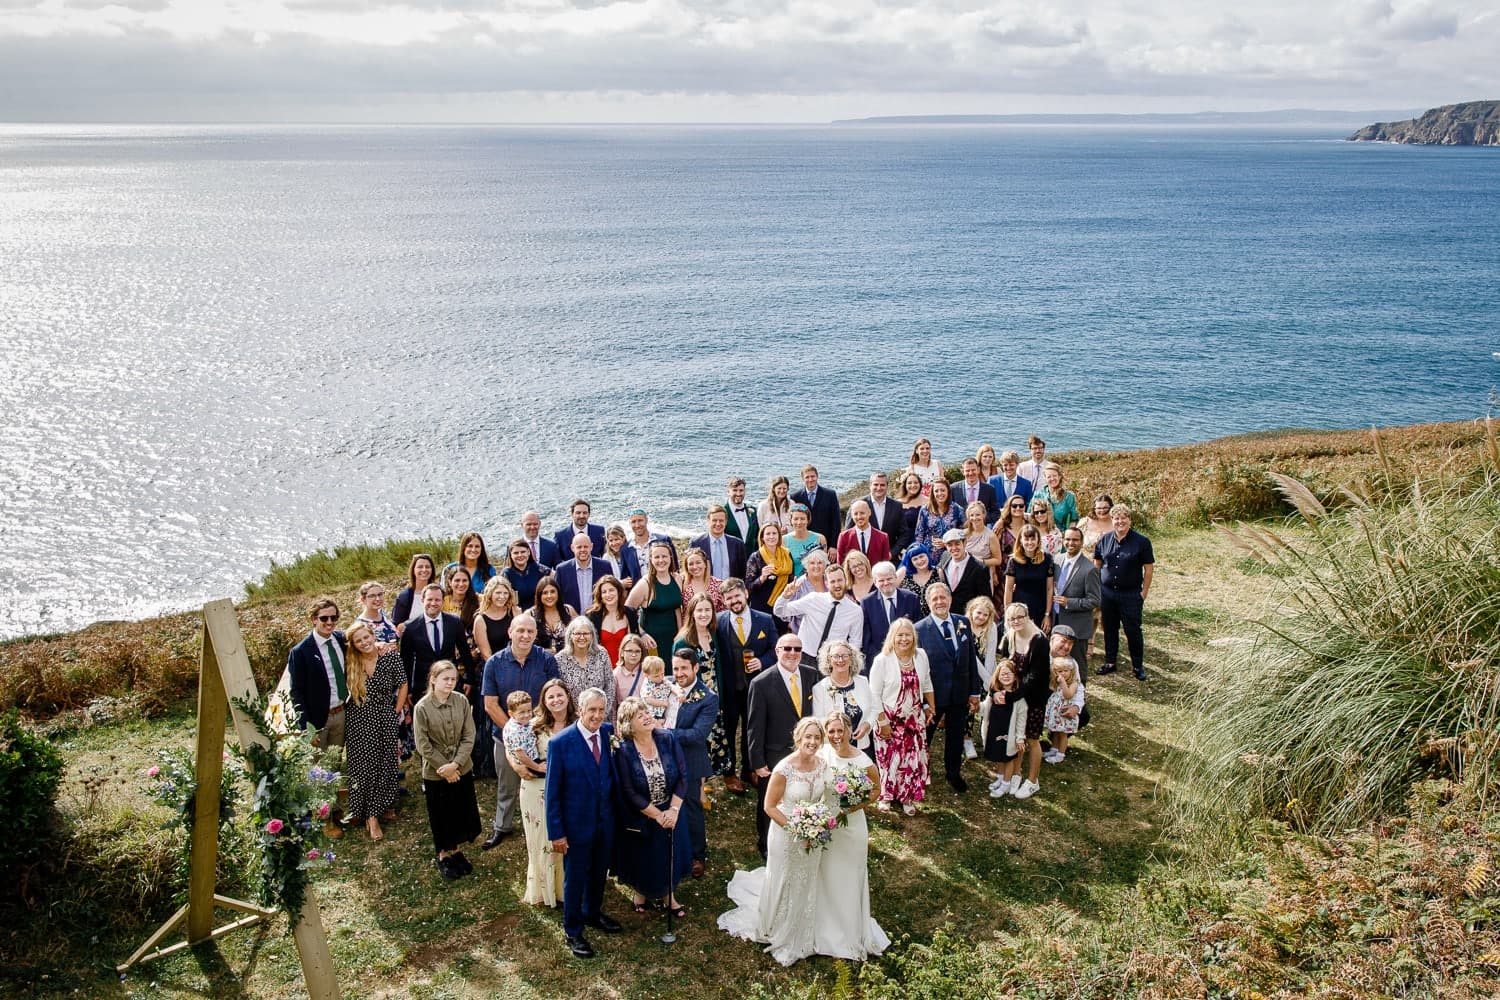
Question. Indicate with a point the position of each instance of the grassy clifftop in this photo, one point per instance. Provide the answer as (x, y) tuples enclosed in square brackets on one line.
[(153, 663)]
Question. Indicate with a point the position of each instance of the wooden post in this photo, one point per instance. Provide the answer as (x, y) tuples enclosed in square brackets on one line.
[(224, 674), (209, 771)]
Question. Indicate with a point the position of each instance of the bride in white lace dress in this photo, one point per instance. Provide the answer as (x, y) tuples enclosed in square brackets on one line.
[(845, 928), (778, 905)]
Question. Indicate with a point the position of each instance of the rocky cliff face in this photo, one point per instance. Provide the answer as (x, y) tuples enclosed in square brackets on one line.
[(1476, 123)]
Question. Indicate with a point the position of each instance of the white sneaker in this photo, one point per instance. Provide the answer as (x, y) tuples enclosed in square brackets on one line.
[(1015, 784), (1000, 791), (969, 752), (1053, 757), (1028, 789)]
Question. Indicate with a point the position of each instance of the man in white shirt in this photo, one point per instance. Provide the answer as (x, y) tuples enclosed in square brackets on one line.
[(825, 616), (882, 606), (1077, 592), (965, 576), (743, 523), (639, 537), (1032, 468), (543, 550)]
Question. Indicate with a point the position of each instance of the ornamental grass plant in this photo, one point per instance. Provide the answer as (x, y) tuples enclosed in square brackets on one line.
[(1375, 667)]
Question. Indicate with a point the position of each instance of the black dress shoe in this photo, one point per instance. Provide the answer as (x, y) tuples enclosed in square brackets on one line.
[(607, 924), (580, 947), (494, 839), (1107, 668), (449, 870), (462, 862), (1140, 673), (958, 783)]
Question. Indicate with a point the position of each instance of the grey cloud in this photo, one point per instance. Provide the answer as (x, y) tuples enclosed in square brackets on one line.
[(1036, 35), (143, 6)]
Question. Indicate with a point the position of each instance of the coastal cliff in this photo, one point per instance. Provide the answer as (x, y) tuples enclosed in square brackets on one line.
[(1474, 123)]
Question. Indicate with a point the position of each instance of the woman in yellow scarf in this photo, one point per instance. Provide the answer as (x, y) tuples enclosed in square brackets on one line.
[(769, 569)]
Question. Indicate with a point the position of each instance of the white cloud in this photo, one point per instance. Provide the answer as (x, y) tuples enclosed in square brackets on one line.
[(299, 54)]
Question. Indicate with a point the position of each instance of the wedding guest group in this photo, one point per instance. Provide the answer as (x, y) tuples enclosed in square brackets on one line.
[(605, 678)]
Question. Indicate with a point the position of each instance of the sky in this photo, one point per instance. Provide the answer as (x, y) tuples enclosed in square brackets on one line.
[(729, 60)]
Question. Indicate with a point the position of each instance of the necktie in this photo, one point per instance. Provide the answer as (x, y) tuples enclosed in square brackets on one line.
[(594, 746), (954, 573), (812, 497), (948, 634), (863, 545), (437, 635), (1010, 488), (890, 610), (739, 627), (721, 567), (972, 491), (797, 696), (536, 550), (1062, 581), (338, 670)]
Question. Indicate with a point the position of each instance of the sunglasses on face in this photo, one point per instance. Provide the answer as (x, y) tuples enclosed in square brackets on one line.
[(328, 618)]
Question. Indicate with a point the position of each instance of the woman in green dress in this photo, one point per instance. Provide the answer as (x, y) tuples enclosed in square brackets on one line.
[(659, 599)]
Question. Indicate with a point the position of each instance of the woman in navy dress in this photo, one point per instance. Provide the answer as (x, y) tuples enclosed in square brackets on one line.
[(652, 850)]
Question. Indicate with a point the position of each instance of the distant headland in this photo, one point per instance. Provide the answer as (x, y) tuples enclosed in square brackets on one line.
[(1474, 123)]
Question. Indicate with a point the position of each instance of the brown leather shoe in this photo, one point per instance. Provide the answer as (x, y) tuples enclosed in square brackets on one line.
[(733, 785), (699, 868), (333, 831)]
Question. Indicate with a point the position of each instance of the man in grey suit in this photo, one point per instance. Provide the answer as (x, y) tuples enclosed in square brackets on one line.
[(1077, 591)]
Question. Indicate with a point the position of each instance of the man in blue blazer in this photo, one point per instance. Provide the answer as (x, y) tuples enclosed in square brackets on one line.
[(580, 513), (696, 712), (1009, 482), (739, 660), (824, 515), (581, 817), (725, 554), (543, 550), (882, 606), (948, 641), (315, 668), (972, 489), (577, 576)]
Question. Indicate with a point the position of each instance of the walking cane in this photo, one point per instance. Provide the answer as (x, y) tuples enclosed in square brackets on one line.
[(669, 937)]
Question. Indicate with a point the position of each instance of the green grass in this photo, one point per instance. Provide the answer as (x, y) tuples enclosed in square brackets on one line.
[(345, 566)]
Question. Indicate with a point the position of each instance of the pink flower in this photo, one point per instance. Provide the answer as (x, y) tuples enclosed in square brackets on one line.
[(832, 822), (313, 854), (323, 810), (842, 786), (152, 772), (274, 827)]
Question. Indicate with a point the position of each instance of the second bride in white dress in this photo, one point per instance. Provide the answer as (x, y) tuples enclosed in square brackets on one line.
[(845, 928)]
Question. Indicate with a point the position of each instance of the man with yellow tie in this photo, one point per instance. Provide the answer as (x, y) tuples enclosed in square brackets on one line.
[(777, 700), (744, 642)]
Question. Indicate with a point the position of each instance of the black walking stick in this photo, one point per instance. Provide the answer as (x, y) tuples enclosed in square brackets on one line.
[(669, 937)]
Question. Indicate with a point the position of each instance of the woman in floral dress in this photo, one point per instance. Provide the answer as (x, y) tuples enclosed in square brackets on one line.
[(902, 688)]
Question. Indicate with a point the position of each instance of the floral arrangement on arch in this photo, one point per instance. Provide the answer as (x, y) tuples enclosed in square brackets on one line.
[(293, 799), (173, 782)]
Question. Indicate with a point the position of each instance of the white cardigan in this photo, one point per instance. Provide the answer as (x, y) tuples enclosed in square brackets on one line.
[(823, 703), (885, 679)]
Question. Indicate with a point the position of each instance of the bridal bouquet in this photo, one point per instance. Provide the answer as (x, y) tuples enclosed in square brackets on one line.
[(854, 789), (812, 823)]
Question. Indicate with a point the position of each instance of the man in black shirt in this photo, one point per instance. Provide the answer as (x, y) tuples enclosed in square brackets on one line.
[(1125, 564)]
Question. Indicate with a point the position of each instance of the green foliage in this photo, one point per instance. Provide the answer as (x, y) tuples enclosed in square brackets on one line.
[(173, 782), (30, 770), (345, 566), (1380, 665), (290, 807)]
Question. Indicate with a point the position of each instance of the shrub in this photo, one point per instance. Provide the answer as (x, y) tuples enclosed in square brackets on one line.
[(347, 566), (1380, 664), (30, 770)]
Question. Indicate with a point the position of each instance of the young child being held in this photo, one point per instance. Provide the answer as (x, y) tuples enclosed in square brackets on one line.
[(1005, 725), (1063, 707), (656, 690), (520, 738)]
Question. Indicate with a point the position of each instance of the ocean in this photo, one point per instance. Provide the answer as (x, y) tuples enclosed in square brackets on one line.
[(227, 345)]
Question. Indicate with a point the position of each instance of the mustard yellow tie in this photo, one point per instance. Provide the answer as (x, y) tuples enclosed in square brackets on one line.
[(739, 627), (797, 696)]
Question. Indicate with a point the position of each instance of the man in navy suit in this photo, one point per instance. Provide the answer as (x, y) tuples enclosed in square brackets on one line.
[(743, 522), (581, 817), (315, 667), (697, 709), (967, 576), (564, 539), (882, 606), (725, 553), (976, 490), (778, 699), (1009, 482), (824, 515), (543, 550), (577, 576), (948, 641), (435, 636), (744, 642)]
